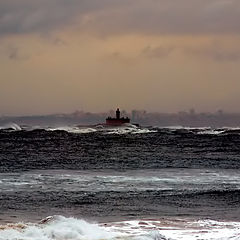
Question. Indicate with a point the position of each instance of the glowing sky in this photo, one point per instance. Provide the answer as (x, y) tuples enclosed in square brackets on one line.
[(94, 55)]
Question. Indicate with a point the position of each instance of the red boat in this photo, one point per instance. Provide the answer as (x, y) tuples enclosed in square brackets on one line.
[(118, 121)]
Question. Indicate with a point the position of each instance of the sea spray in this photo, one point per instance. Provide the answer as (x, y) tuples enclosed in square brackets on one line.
[(62, 228), (57, 228)]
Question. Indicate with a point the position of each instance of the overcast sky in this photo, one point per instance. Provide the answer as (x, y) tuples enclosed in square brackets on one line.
[(95, 55)]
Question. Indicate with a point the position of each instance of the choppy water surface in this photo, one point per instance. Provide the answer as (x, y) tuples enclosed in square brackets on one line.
[(153, 183)]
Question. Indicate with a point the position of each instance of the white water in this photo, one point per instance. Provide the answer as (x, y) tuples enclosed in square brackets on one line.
[(12, 126), (61, 228), (211, 132), (74, 129), (181, 229), (96, 181), (124, 129), (202, 130)]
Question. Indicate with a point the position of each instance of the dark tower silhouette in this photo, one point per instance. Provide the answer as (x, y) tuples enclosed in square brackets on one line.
[(118, 114), (118, 121)]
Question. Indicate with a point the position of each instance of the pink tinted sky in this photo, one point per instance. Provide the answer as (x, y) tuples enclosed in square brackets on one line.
[(93, 55)]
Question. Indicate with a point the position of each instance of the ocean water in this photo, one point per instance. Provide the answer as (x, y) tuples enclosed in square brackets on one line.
[(95, 183)]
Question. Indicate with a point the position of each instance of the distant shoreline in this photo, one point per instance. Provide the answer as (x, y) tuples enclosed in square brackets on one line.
[(185, 119)]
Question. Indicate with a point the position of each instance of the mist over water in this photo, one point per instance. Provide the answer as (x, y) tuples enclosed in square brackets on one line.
[(127, 182)]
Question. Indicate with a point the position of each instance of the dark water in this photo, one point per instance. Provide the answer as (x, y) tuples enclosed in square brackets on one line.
[(126, 173)]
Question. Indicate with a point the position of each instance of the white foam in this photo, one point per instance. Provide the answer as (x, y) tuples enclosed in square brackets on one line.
[(182, 127), (124, 129), (74, 129), (61, 228), (12, 126), (211, 132), (129, 130), (231, 128), (180, 229), (202, 130)]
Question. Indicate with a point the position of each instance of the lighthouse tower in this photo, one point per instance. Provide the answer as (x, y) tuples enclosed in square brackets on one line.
[(118, 114), (118, 121)]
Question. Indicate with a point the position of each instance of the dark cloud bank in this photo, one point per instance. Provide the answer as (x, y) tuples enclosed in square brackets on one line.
[(114, 16)]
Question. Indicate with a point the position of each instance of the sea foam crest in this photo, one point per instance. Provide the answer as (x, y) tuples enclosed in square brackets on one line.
[(11, 126), (211, 132), (124, 129), (73, 129), (56, 228), (61, 228)]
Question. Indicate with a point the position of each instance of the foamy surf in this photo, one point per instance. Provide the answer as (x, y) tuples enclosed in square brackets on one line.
[(11, 127), (56, 228), (124, 129), (73, 129), (202, 130), (128, 129), (179, 229), (62, 228), (211, 132)]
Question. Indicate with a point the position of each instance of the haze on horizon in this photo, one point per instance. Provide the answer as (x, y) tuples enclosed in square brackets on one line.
[(94, 55)]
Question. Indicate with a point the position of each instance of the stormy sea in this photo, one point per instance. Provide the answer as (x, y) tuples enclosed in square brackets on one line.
[(119, 183)]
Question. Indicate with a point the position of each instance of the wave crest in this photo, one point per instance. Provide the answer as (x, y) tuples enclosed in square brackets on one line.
[(56, 228), (11, 127), (126, 129), (62, 228)]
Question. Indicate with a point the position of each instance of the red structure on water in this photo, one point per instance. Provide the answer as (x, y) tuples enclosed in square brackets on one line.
[(118, 121)]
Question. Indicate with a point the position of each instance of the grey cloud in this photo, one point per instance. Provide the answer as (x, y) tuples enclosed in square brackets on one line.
[(117, 57), (216, 52), (14, 53), (222, 56), (157, 52), (114, 16), (229, 56), (25, 16)]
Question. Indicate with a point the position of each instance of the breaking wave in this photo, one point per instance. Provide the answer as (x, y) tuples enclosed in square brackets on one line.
[(11, 127), (73, 129), (62, 228), (126, 129), (57, 228), (211, 132), (203, 130)]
